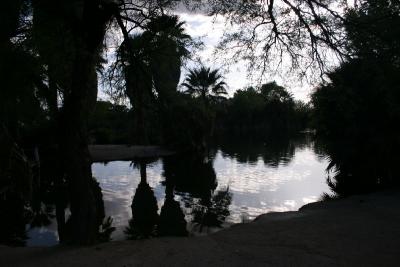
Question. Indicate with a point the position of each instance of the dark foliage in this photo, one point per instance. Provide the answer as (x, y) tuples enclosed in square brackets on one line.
[(266, 111), (357, 112), (108, 124)]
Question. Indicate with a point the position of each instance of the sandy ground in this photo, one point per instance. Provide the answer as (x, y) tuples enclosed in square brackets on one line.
[(102, 153), (357, 231)]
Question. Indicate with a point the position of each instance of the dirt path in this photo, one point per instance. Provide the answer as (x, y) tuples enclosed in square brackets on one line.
[(358, 231)]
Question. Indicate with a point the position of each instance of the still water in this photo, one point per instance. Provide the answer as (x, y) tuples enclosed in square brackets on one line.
[(186, 195)]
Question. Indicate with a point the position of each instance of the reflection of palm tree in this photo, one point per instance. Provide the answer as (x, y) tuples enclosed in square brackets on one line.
[(205, 83), (195, 175), (101, 225), (212, 212), (144, 210), (172, 220), (191, 174)]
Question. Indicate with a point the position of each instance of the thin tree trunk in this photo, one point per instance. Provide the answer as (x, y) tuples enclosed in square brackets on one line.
[(143, 174), (77, 161), (78, 104)]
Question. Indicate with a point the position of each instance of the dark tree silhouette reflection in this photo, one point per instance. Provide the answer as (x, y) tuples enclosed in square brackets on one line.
[(194, 178), (144, 210), (192, 174), (102, 225), (172, 219), (146, 222), (274, 151), (212, 212)]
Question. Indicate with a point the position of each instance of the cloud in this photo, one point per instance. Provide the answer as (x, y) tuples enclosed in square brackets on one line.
[(210, 29)]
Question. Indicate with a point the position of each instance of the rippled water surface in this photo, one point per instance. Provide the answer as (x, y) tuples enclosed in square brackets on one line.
[(188, 195)]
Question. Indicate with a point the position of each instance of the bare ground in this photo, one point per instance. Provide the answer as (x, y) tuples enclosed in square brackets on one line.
[(357, 231)]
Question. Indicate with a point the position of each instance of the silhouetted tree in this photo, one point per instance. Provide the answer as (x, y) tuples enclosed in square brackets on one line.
[(292, 34), (144, 210), (72, 59), (205, 83), (178, 169), (212, 212), (172, 219), (274, 151), (108, 123), (73, 56), (279, 108), (261, 112), (151, 62), (170, 45), (138, 81), (357, 111)]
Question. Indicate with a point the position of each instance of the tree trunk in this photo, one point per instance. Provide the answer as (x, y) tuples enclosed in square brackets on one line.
[(69, 35), (77, 161)]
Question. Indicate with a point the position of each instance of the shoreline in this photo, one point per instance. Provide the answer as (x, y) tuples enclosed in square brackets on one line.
[(106, 153), (360, 230)]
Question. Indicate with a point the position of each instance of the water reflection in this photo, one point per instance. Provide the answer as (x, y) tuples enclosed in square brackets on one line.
[(34, 222), (172, 218), (196, 177), (102, 225), (192, 174), (273, 151), (144, 209), (211, 212), (178, 196)]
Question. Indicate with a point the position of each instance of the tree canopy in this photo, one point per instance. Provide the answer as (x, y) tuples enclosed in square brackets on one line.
[(205, 83), (302, 36), (356, 112)]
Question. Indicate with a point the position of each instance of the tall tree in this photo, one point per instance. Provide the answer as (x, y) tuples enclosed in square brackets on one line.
[(170, 46), (134, 62), (71, 59), (21, 113), (205, 83), (65, 50), (151, 62), (357, 111), (73, 56)]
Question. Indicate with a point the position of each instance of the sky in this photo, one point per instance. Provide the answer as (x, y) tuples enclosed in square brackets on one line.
[(210, 30)]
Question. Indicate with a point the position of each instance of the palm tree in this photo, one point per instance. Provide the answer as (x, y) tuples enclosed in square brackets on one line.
[(169, 46), (134, 65), (152, 60), (205, 83)]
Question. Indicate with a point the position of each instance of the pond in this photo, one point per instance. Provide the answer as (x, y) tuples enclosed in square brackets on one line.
[(187, 195)]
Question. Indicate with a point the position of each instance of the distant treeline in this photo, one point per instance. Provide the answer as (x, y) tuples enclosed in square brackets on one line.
[(257, 112), (264, 111)]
